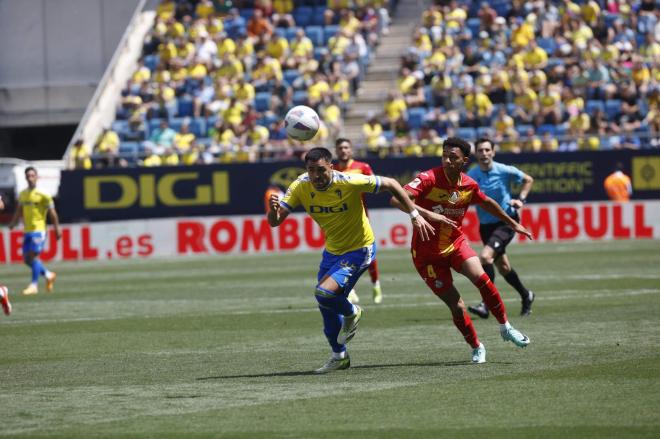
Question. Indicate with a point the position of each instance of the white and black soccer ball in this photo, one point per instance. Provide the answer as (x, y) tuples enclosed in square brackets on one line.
[(301, 123)]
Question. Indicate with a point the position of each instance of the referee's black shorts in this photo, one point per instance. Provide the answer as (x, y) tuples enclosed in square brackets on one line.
[(497, 236)]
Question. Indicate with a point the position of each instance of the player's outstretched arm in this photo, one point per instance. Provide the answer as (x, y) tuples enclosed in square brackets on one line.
[(492, 207), (407, 205), (428, 215), (276, 215)]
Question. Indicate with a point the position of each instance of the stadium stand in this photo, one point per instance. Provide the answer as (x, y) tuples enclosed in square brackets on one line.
[(223, 77), (535, 76)]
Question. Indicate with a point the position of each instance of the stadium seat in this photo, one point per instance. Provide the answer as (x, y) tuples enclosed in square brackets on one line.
[(290, 75), (523, 128), (612, 108), (290, 33), (484, 132), (416, 117), (153, 124), (185, 107), (315, 33), (318, 18), (302, 15), (329, 32), (467, 133), (151, 61), (262, 101), (547, 44), (120, 126), (389, 135), (129, 148), (474, 24), (300, 97), (547, 128), (593, 105), (247, 13)]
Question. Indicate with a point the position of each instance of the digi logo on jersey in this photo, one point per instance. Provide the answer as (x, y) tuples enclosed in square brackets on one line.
[(175, 189), (328, 209)]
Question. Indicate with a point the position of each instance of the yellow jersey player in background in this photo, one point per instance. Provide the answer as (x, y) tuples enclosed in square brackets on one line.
[(4, 291), (33, 205), (334, 201)]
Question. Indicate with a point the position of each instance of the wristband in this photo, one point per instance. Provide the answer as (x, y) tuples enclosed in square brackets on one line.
[(414, 214), (522, 200)]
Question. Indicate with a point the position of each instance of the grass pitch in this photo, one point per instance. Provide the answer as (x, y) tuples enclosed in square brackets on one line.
[(224, 346)]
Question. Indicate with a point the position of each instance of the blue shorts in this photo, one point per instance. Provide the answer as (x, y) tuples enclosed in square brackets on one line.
[(347, 268), (34, 242)]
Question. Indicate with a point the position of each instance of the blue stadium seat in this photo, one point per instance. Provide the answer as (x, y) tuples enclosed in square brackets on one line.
[(290, 33), (612, 108), (266, 121), (315, 33), (319, 52), (120, 126), (318, 18), (198, 126), (151, 61), (262, 101), (416, 117), (389, 135), (247, 13), (484, 132), (547, 128), (185, 107), (593, 105), (153, 124), (609, 19), (547, 44), (300, 97), (129, 148), (303, 15), (467, 133), (290, 76), (474, 24), (523, 128), (329, 32)]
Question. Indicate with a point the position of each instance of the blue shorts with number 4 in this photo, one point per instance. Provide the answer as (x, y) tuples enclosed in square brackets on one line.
[(34, 242), (347, 268)]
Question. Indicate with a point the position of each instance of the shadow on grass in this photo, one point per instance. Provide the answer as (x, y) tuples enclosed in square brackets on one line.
[(366, 366)]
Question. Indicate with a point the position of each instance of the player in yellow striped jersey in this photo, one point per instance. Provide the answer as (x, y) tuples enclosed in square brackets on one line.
[(334, 201), (33, 206)]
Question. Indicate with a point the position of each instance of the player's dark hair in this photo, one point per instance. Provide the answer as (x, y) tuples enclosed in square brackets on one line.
[(28, 169), (456, 142), (341, 140), (318, 153), (484, 140)]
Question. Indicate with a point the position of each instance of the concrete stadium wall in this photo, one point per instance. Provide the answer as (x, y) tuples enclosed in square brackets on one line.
[(54, 54)]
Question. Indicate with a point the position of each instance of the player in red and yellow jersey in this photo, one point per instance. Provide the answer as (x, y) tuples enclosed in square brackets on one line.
[(346, 164), (443, 196)]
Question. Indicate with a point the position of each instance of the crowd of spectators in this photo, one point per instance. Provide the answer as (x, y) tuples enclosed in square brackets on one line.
[(216, 78), (533, 75)]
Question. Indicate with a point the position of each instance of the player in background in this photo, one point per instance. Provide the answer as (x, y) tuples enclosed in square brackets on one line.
[(334, 201), (4, 291), (495, 180), (445, 190), (346, 164), (33, 205), (618, 185)]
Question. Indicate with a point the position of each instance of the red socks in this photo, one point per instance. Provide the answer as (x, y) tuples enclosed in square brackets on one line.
[(491, 298), (373, 271), (466, 328)]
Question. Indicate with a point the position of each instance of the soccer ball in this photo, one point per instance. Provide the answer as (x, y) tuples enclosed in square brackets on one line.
[(301, 123)]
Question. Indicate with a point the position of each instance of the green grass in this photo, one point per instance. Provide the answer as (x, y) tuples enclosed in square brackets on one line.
[(223, 347)]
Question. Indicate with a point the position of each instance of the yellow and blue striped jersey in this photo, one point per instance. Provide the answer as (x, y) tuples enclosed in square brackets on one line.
[(35, 205), (337, 209)]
